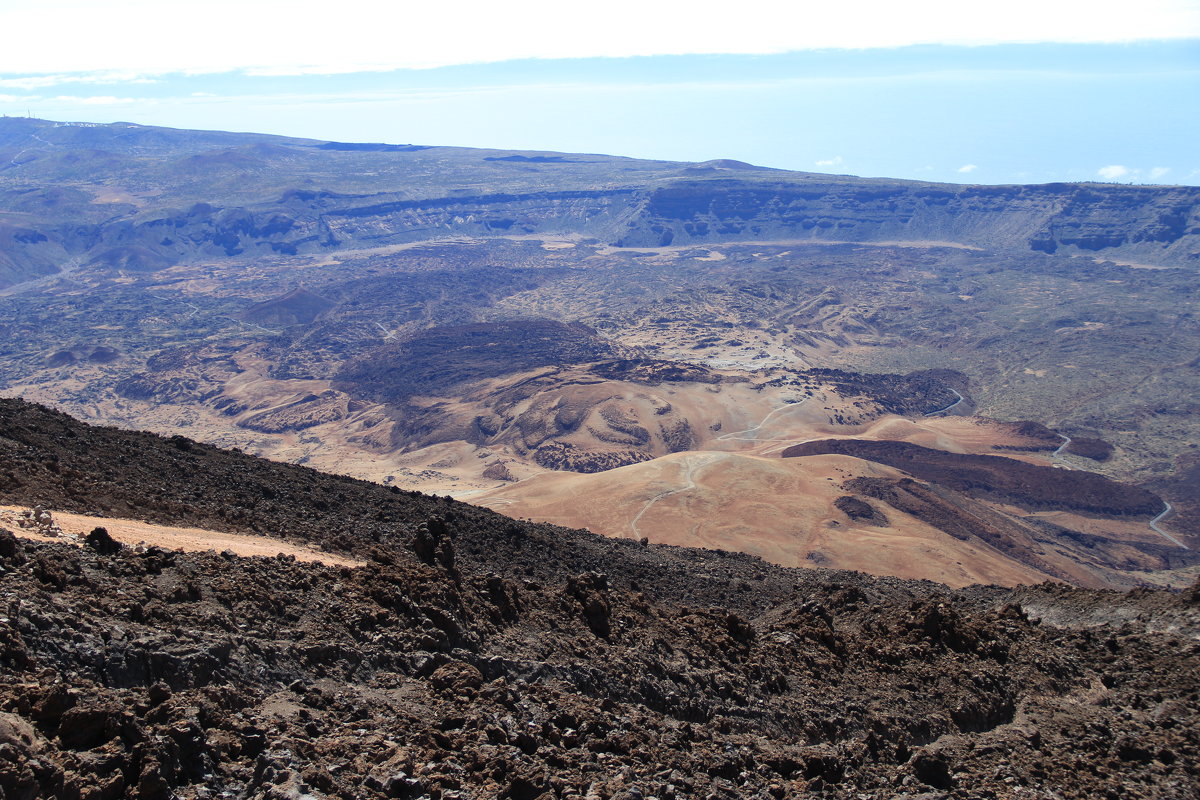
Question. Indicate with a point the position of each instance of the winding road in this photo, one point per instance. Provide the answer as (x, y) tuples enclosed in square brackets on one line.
[(952, 405), (1153, 523), (1057, 454), (13, 162), (1154, 526), (196, 310)]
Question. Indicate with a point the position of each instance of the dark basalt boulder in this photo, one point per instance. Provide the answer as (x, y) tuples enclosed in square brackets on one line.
[(102, 542), (859, 510)]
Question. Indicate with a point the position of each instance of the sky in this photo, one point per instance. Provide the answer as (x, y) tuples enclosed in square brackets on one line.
[(1023, 91)]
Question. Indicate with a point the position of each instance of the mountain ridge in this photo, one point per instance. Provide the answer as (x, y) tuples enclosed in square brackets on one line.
[(626, 202)]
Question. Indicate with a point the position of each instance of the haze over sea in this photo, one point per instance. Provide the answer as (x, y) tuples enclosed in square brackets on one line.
[(1030, 93)]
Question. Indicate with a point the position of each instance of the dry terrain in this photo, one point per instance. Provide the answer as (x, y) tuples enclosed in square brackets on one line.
[(74, 528), (459, 321), (472, 656), (819, 511), (782, 511)]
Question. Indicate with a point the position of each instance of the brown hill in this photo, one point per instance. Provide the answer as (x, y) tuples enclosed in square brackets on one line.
[(833, 511), (783, 511)]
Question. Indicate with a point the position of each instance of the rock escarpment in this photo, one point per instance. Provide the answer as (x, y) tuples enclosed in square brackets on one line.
[(219, 195), (1160, 224)]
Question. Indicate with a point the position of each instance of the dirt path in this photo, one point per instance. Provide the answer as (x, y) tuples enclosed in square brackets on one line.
[(133, 532), (734, 435), (689, 477)]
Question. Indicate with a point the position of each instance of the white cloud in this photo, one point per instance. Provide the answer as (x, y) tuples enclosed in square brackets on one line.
[(105, 100), (300, 36), (836, 161), (46, 81), (37, 82), (1158, 172), (965, 168), (1113, 172)]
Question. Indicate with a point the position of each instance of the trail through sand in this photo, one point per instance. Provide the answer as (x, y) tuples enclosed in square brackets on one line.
[(133, 532)]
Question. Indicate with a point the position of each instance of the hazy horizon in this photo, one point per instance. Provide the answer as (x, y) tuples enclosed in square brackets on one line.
[(1091, 91)]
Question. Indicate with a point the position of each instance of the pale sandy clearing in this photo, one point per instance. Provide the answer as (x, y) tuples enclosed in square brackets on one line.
[(195, 540), (917, 243)]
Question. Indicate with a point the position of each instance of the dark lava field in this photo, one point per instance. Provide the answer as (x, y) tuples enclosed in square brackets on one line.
[(475, 656)]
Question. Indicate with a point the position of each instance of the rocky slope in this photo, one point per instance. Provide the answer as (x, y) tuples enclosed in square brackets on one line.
[(478, 657)]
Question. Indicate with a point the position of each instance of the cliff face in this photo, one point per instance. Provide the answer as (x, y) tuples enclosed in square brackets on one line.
[(298, 223), (305, 222), (1158, 224)]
